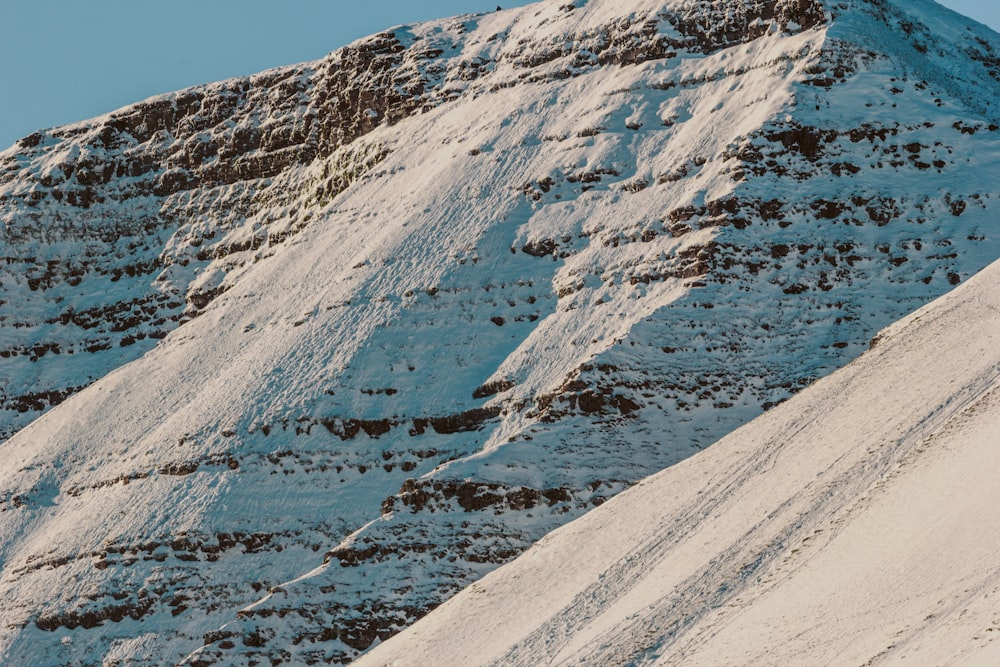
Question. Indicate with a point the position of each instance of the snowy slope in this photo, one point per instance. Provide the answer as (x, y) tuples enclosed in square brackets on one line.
[(855, 524), (426, 300)]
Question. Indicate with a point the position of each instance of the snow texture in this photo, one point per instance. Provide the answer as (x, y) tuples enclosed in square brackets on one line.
[(855, 524), (287, 361)]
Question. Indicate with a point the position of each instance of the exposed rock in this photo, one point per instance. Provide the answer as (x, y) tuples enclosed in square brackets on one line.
[(566, 292)]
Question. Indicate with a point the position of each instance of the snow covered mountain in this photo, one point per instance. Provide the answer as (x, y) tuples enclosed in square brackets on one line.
[(855, 524), (332, 342)]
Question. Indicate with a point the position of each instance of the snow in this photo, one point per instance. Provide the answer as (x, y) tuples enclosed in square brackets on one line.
[(854, 524), (578, 236)]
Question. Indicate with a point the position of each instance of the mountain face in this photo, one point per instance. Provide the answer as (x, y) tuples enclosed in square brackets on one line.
[(852, 525), (331, 342)]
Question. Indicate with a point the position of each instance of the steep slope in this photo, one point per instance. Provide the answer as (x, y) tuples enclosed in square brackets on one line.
[(117, 229), (444, 291), (854, 524)]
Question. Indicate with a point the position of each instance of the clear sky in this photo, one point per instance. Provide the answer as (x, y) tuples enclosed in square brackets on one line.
[(68, 60)]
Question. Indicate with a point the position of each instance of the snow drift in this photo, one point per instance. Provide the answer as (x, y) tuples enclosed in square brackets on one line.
[(286, 361), (855, 524)]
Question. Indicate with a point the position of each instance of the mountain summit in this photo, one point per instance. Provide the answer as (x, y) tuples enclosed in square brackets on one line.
[(331, 342)]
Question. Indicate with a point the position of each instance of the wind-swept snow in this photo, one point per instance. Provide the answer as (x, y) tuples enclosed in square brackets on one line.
[(331, 342), (855, 524)]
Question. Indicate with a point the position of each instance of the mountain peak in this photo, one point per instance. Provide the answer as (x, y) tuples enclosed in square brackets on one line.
[(357, 331)]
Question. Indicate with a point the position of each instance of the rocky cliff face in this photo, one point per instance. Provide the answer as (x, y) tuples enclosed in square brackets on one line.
[(394, 315)]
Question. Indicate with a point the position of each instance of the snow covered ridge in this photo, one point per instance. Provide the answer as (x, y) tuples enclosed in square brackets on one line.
[(854, 524), (442, 292), (152, 205), (144, 196)]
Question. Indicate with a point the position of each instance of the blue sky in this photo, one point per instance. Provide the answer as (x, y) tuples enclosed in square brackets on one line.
[(67, 60)]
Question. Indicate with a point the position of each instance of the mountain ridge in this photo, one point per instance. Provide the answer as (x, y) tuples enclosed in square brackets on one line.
[(575, 286), (849, 525)]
